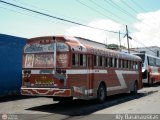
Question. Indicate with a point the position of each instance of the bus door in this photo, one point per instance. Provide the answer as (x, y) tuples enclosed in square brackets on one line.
[(90, 76)]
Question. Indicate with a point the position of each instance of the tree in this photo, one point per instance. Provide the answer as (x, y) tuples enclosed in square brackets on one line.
[(114, 46)]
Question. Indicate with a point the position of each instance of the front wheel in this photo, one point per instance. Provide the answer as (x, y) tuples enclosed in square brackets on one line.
[(101, 94)]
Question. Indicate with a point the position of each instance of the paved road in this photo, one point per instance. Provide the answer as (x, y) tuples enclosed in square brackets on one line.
[(39, 108)]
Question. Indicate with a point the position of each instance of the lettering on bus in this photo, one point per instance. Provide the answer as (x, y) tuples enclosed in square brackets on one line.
[(44, 80), (36, 48)]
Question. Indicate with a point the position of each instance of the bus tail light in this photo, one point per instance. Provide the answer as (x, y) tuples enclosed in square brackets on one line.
[(26, 82), (60, 71), (64, 71), (27, 73)]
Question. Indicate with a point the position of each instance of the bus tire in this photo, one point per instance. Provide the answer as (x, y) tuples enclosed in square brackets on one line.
[(135, 88), (101, 93)]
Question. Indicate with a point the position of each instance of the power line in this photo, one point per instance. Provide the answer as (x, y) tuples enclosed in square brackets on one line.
[(136, 4), (135, 11), (112, 13), (58, 18), (93, 9), (14, 11), (121, 9), (38, 8)]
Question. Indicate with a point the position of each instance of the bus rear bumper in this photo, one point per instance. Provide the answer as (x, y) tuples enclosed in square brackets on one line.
[(46, 92)]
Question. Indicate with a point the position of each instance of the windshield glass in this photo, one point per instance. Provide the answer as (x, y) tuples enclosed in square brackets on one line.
[(142, 56), (38, 55), (39, 60), (45, 60)]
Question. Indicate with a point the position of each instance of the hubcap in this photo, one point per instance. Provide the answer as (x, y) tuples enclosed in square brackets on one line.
[(102, 93)]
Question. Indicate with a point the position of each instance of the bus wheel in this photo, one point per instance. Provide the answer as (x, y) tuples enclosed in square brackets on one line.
[(101, 93), (135, 89)]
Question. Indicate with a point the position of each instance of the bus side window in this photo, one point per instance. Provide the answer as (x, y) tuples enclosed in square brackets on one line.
[(152, 61), (75, 59), (158, 62), (100, 61), (129, 64), (134, 65), (110, 62), (103, 61), (82, 60), (106, 62), (123, 64), (119, 63), (115, 62), (126, 63), (95, 60)]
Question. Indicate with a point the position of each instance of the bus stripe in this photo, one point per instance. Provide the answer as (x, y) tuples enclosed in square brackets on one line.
[(119, 74), (73, 71)]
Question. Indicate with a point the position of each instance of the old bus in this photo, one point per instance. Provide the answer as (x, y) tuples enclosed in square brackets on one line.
[(150, 68), (63, 68)]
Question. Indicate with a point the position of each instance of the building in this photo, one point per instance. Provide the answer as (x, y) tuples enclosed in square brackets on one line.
[(152, 50), (90, 42)]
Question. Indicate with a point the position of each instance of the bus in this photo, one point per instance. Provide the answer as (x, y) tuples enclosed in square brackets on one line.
[(150, 68), (63, 68)]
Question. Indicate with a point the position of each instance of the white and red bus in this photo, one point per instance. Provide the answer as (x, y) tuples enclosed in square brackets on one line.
[(63, 68), (150, 68)]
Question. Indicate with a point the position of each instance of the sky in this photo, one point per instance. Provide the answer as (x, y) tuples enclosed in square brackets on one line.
[(142, 18)]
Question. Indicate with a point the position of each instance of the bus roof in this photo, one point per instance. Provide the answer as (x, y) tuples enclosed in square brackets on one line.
[(77, 46)]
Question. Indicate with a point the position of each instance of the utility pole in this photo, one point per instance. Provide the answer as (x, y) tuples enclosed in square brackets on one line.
[(119, 41), (106, 42), (128, 37)]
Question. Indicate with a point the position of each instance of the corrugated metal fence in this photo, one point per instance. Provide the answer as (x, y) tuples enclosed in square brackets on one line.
[(10, 64)]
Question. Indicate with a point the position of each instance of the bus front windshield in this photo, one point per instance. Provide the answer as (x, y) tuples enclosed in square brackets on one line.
[(142, 56), (42, 55)]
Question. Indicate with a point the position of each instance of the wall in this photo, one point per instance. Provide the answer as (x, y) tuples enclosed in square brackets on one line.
[(10, 64)]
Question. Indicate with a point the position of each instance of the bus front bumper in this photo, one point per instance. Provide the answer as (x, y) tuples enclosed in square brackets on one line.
[(46, 92)]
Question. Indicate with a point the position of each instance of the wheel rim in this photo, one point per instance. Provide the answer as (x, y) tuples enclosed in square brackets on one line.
[(102, 94)]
